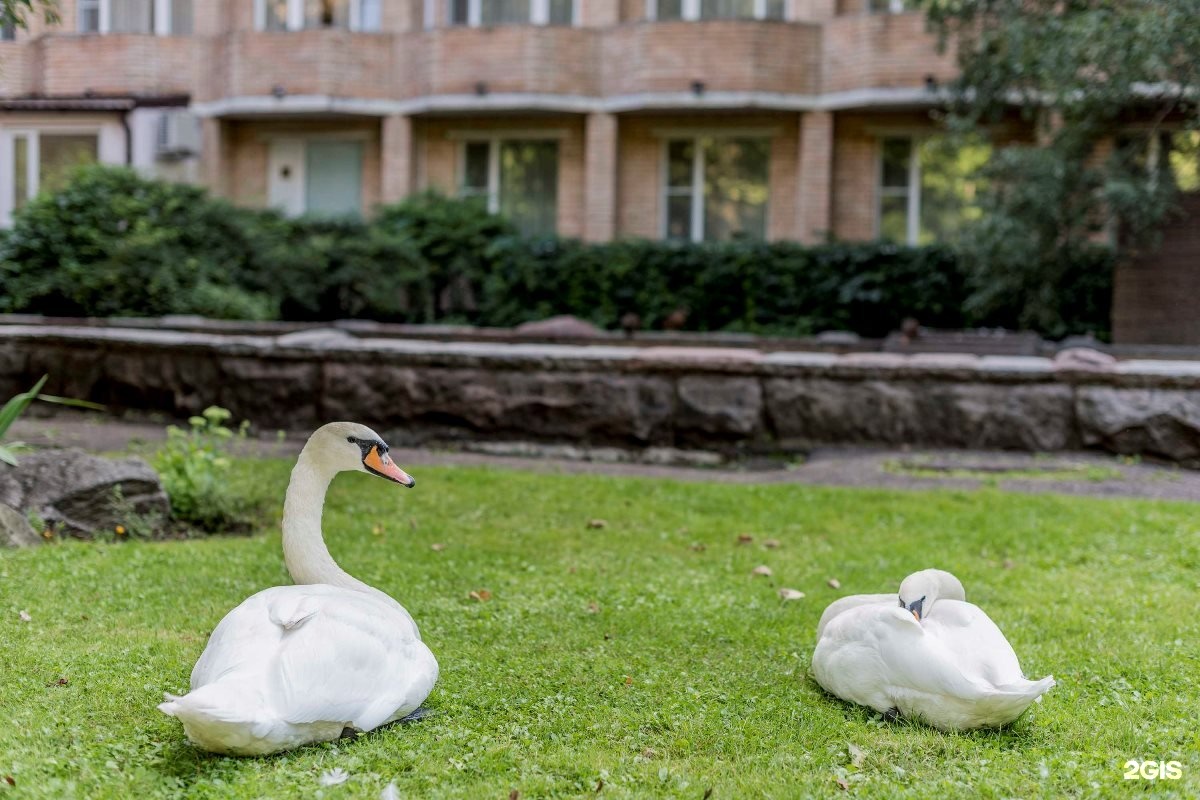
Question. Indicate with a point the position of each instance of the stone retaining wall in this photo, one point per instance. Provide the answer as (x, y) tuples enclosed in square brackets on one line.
[(730, 399)]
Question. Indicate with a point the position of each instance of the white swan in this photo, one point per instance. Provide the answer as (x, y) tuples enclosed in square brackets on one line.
[(931, 655), (299, 664)]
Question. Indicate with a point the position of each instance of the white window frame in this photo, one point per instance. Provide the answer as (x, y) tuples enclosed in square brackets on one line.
[(295, 16), (912, 230), (696, 188), (539, 13), (494, 139), (691, 10), (161, 24), (33, 159)]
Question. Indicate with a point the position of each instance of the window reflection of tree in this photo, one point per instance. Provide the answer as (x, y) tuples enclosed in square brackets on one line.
[(529, 185), (735, 188), (950, 186)]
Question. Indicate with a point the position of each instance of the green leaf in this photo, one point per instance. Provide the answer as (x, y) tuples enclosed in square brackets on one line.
[(17, 405)]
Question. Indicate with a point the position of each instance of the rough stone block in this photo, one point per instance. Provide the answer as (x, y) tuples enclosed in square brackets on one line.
[(1159, 422), (724, 407)]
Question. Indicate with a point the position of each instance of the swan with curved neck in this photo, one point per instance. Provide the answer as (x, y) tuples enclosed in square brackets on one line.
[(293, 665), (933, 656)]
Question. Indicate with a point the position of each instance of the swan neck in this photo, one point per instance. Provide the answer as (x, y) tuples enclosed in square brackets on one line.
[(304, 551)]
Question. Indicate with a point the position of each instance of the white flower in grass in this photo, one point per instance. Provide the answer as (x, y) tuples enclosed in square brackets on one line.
[(334, 777)]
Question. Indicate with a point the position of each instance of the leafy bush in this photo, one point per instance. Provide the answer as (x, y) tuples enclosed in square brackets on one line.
[(194, 468), (780, 288), (113, 243), (453, 238)]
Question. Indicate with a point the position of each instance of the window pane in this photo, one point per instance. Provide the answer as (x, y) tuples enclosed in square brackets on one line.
[(1184, 160), (181, 17), (326, 13), (680, 158), (458, 12), (333, 178), (896, 155), (529, 185), (59, 153), (886, 6), (475, 167), (20, 171), (735, 188), (726, 9), (893, 218), (276, 15), (370, 17), (670, 9), (950, 187), (89, 16), (679, 217), (775, 9), (562, 12), (8, 32), (131, 16), (504, 12)]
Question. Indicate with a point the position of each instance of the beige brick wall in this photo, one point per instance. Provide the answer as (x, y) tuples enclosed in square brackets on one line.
[(438, 148), (881, 50)]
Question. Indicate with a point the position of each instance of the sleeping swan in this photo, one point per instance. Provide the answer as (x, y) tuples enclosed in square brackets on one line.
[(931, 655), (299, 664)]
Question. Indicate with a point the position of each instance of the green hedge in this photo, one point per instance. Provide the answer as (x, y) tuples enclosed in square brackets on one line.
[(113, 243)]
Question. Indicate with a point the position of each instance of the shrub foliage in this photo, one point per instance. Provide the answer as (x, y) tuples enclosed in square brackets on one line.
[(113, 243)]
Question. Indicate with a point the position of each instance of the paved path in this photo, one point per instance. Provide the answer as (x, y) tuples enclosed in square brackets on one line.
[(1088, 474)]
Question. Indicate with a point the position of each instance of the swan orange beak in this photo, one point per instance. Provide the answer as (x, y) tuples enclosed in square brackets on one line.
[(378, 463)]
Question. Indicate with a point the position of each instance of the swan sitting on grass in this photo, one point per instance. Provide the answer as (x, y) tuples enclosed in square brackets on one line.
[(293, 665), (932, 655)]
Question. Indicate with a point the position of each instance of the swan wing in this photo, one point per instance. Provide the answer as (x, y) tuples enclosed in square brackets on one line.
[(349, 658), (974, 641), (880, 656), (843, 604)]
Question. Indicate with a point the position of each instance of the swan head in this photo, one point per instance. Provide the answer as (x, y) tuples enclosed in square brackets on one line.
[(351, 447), (919, 591)]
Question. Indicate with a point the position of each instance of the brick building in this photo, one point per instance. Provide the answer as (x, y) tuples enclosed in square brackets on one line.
[(701, 119)]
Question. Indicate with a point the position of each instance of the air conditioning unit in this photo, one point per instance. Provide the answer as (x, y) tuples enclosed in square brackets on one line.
[(178, 135)]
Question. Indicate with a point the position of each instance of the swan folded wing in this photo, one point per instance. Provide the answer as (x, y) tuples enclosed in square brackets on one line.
[(922, 664), (844, 604), (238, 642), (975, 642), (350, 659)]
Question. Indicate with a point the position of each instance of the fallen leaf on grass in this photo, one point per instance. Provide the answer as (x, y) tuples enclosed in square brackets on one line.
[(834, 583), (790, 594), (744, 538), (842, 784), (1008, 563), (334, 777), (707, 793), (377, 530), (9, 780), (482, 595), (762, 570), (699, 548), (599, 785), (649, 754), (593, 607), (437, 547), (514, 795), (629, 680), (597, 523), (24, 615), (856, 754), (59, 682), (772, 544)]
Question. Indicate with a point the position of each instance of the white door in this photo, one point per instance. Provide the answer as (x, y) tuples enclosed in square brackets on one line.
[(285, 176)]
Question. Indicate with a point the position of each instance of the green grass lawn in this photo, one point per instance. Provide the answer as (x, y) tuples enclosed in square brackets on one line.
[(642, 656)]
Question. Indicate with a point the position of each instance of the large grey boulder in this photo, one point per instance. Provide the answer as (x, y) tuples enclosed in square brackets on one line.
[(78, 491), (1157, 422), (727, 407), (15, 530)]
